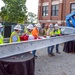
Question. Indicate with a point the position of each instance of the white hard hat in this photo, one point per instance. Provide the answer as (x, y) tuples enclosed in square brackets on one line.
[(51, 24), (1, 25), (30, 26), (38, 25), (56, 25), (17, 27)]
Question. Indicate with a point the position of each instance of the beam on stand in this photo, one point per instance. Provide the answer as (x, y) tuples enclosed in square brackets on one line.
[(26, 46)]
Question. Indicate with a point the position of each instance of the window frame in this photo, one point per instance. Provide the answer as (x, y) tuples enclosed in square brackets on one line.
[(71, 7), (45, 10), (55, 10)]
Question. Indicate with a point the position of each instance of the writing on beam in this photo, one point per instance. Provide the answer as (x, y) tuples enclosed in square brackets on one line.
[(26, 46)]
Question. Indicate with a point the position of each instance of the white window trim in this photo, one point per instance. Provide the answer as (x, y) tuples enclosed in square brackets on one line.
[(45, 4), (55, 2), (72, 2), (45, 13), (61, 1)]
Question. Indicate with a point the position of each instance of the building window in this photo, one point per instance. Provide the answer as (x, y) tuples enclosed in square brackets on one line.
[(72, 7), (45, 11), (54, 11)]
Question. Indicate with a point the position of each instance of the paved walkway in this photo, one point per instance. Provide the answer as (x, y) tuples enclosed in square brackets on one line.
[(60, 64)]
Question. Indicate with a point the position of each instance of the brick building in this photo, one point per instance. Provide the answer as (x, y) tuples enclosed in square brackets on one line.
[(51, 11)]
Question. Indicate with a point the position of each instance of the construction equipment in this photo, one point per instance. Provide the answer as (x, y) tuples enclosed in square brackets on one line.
[(70, 22), (70, 19)]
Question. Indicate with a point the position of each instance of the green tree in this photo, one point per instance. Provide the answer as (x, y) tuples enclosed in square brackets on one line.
[(3, 14), (14, 11), (32, 17)]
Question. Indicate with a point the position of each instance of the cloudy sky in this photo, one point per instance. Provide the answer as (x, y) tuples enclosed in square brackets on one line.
[(32, 5), (1, 3)]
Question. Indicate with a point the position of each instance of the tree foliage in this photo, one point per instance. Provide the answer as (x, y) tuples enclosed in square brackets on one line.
[(14, 11), (32, 17)]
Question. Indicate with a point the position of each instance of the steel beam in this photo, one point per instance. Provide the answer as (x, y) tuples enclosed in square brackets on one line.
[(26, 46)]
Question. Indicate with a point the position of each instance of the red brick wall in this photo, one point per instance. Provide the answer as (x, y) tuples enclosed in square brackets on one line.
[(64, 9), (68, 2), (40, 17)]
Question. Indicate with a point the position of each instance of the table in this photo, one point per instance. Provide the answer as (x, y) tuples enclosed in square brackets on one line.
[(23, 64), (69, 47)]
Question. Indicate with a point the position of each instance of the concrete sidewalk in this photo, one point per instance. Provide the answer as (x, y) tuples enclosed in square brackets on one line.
[(60, 64)]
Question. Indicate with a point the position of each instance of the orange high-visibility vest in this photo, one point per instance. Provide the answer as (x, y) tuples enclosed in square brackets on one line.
[(35, 32)]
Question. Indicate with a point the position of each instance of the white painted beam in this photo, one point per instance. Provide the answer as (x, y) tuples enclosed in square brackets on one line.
[(22, 47)]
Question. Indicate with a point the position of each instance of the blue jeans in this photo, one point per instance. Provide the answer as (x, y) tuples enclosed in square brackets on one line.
[(57, 48), (34, 52), (50, 49)]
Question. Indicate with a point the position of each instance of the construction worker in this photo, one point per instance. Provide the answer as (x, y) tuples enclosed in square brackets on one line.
[(43, 30), (57, 32), (31, 37), (46, 28), (27, 35), (50, 33), (35, 33), (53, 33), (15, 34), (29, 30), (1, 30)]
